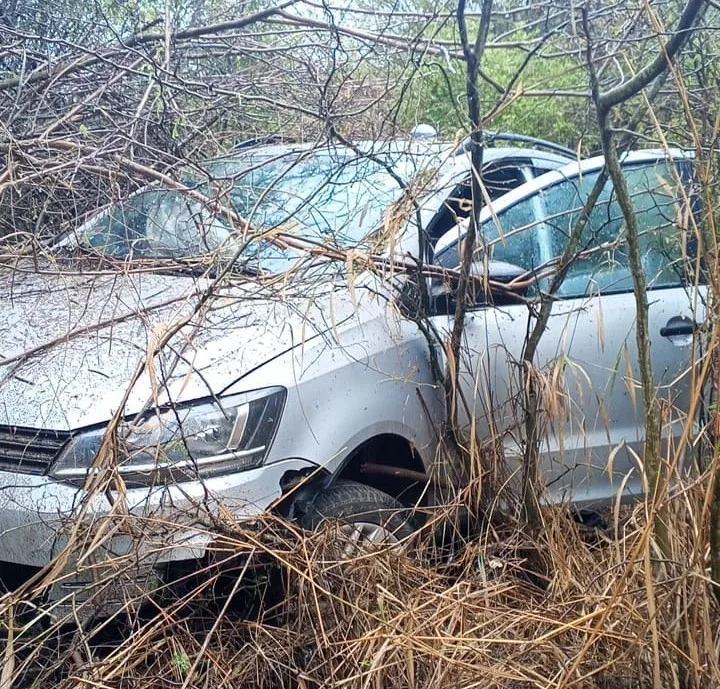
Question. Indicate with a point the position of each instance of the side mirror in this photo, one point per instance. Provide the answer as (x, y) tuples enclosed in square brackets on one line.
[(497, 271), (442, 293)]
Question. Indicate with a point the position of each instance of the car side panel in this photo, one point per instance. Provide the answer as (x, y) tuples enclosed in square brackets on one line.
[(370, 377), (587, 374)]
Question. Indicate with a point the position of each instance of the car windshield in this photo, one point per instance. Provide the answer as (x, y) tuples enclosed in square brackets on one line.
[(327, 198)]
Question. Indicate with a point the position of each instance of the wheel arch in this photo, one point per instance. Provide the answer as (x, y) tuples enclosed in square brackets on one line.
[(399, 471), (388, 462)]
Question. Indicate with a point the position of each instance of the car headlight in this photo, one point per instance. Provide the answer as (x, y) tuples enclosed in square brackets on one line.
[(185, 442)]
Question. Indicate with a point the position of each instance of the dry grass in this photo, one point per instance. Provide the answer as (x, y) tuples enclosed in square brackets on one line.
[(577, 608)]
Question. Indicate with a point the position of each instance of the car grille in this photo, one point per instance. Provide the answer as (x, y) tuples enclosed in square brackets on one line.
[(29, 450)]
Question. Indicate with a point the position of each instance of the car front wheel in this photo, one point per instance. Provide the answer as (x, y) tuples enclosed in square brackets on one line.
[(366, 516)]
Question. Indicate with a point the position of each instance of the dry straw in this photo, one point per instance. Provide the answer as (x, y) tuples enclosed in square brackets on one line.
[(579, 607)]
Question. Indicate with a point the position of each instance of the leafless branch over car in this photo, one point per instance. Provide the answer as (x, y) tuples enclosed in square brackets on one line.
[(359, 344)]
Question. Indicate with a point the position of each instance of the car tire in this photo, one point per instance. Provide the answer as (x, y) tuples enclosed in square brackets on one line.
[(378, 517)]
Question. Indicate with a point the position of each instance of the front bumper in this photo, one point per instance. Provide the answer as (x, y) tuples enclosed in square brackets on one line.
[(83, 542)]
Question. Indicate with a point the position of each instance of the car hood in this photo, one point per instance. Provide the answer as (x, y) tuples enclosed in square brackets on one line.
[(74, 348)]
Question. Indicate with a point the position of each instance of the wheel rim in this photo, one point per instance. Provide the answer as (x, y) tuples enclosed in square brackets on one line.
[(362, 537)]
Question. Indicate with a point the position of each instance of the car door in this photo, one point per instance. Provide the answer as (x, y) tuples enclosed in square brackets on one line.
[(586, 364)]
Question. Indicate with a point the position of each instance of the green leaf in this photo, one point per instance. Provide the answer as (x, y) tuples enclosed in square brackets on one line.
[(181, 662)]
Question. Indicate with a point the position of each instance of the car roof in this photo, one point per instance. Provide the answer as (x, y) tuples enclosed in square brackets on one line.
[(430, 154), (421, 146), (516, 152)]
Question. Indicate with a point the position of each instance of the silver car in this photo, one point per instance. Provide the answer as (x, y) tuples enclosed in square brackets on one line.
[(159, 370)]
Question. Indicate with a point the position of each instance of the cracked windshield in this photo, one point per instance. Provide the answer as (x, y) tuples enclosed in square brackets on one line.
[(320, 198)]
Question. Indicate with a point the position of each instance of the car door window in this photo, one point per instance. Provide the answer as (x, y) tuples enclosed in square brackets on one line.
[(535, 231), (499, 177), (602, 265), (515, 236)]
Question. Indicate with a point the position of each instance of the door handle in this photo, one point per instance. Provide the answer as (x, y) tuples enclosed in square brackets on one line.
[(679, 325)]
